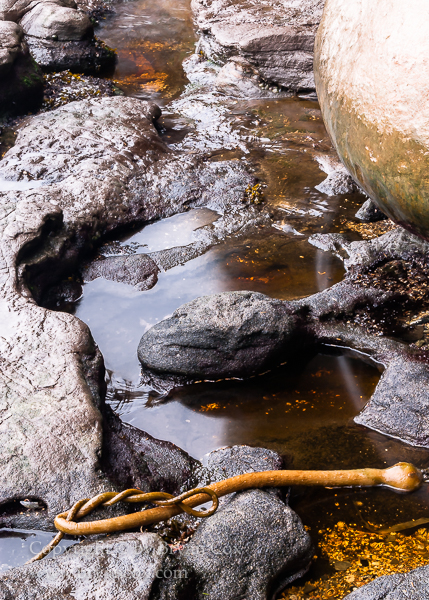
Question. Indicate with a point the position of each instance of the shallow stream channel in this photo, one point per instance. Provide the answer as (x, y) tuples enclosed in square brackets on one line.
[(303, 409)]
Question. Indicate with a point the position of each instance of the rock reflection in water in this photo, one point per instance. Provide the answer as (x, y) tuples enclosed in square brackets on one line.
[(152, 39), (19, 545), (280, 410), (269, 263)]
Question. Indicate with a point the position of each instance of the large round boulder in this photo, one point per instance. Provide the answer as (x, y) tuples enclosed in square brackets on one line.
[(372, 80)]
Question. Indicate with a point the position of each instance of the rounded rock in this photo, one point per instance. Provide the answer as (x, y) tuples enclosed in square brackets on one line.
[(372, 80)]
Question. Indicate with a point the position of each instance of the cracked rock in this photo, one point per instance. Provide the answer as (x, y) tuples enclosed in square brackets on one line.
[(277, 38)]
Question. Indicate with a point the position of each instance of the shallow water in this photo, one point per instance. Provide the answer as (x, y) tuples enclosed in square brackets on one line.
[(303, 410), (17, 546), (152, 39), (279, 410)]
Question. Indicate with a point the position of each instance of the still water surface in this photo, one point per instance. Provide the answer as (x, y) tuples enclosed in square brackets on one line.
[(303, 410)]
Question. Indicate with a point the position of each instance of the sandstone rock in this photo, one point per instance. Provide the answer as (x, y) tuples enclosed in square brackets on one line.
[(50, 21), (138, 270), (372, 79), (234, 554), (59, 36), (413, 586), (225, 335), (21, 80), (11, 36), (120, 566), (277, 38)]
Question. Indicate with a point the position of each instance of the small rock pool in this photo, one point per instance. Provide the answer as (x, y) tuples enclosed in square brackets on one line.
[(304, 409)]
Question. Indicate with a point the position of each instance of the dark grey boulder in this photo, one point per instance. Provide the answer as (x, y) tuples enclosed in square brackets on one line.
[(89, 55), (21, 80), (400, 586), (251, 547), (133, 458), (120, 566), (370, 213), (225, 335), (399, 405), (237, 460), (138, 270)]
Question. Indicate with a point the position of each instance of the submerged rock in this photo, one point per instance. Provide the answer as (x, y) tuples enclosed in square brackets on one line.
[(412, 586), (138, 270), (276, 38), (21, 80), (233, 334), (375, 104)]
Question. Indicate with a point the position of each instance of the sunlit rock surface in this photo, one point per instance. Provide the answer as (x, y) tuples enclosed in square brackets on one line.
[(276, 38), (372, 79), (59, 35)]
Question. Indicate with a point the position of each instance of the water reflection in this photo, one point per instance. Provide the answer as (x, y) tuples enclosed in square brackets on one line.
[(152, 39), (279, 410), (118, 315), (19, 545)]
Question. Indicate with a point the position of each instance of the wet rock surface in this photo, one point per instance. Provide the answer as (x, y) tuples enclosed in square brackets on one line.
[(79, 172), (413, 586), (275, 38), (62, 88), (141, 565), (369, 213), (138, 270), (234, 553), (384, 276), (135, 459), (236, 460), (21, 79), (233, 334), (59, 35), (122, 566)]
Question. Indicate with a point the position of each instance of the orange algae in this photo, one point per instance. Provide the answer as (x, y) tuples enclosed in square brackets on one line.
[(357, 557)]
